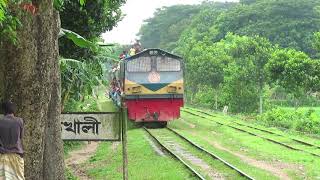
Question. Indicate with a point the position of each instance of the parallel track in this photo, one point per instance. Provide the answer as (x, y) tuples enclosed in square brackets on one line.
[(263, 130), (254, 134), (200, 149)]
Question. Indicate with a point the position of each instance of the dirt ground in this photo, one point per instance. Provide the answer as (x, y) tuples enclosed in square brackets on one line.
[(78, 157)]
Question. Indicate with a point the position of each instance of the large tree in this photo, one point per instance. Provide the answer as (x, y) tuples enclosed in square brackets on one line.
[(289, 23), (30, 77), (293, 70), (90, 21), (164, 29)]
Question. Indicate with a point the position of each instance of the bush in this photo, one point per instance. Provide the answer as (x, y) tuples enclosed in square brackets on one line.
[(71, 145), (302, 121)]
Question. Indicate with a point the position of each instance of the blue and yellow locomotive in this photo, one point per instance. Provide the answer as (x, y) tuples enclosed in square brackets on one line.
[(152, 84)]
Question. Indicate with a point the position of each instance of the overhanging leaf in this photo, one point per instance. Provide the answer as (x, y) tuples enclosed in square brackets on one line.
[(58, 4), (76, 38), (82, 2)]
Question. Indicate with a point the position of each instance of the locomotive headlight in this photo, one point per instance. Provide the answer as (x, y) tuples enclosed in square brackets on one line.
[(136, 89), (172, 89)]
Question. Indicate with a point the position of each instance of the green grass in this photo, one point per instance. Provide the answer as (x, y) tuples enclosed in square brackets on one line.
[(248, 145), (105, 104), (69, 176), (216, 165), (69, 146), (144, 162), (285, 138), (303, 109)]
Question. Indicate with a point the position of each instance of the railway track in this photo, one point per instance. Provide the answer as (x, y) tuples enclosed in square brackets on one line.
[(273, 140), (263, 130), (174, 143)]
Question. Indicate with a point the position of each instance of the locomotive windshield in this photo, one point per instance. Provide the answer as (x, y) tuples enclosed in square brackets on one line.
[(167, 64), (141, 64)]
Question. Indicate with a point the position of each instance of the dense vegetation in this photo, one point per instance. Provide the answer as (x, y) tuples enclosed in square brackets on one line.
[(82, 71), (242, 53), (250, 56), (30, 68)]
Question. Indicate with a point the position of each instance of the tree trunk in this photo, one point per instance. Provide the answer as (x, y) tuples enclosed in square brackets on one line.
[(32, 81), (216, 99), (261, 94), (261, 103)]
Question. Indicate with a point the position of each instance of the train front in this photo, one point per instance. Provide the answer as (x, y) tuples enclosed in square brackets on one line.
[(153, 86)]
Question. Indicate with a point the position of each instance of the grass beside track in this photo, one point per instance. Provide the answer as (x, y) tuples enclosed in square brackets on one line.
[(144, 162), (303, 109), (282, 138), (297, 165)]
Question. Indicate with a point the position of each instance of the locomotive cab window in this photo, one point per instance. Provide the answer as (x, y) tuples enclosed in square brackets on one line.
[(141, 64), (168, 64)]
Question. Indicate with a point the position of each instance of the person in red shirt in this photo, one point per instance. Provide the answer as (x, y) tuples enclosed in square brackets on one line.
[(11, 151)]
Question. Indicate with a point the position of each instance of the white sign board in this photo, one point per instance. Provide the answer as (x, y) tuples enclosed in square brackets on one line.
[(91, 126)]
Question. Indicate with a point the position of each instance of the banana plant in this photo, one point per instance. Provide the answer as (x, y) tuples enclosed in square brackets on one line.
[(78, 78)]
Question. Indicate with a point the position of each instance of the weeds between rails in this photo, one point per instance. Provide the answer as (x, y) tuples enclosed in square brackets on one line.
[(214, 156), (193, 171), (251, 133)]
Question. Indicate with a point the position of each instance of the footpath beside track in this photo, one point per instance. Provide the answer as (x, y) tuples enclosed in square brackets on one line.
[(166, 139), (239, 127)]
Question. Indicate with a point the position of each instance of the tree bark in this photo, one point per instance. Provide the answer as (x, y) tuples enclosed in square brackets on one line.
[(261, 83), (32, 81), (216, 99), (2, 55)]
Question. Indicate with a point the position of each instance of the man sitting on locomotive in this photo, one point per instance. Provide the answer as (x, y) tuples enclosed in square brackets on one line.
[(137, 46), (123, 55)]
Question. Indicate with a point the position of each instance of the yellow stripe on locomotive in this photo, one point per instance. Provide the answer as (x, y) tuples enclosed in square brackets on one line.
[(133, 88)]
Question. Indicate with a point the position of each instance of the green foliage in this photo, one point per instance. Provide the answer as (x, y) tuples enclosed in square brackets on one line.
[(58, 4), (82, 2), (307, 122), (69, 176), (248, 1), (234, 67), (89, 21), (289, 23), (290, 69), (78, 79), (77, 39), (164, 29), (84, 70), (9, 23), (238, 67), (317, 41), (205, 96), (71, 145), (3, 5), (314, 76)]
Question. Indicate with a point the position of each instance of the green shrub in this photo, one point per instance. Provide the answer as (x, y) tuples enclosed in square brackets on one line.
[(69, 176), (71, 145), (303, 121)]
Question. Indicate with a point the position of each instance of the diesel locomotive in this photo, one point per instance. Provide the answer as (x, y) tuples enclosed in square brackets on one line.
[(152, 86)]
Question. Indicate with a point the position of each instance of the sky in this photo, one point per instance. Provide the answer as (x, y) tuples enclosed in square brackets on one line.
[(135, 12)]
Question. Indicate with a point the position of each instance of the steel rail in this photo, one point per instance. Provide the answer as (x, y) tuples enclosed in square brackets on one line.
[(211, 154), (175, 156), (266, 131), (248, 132)]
